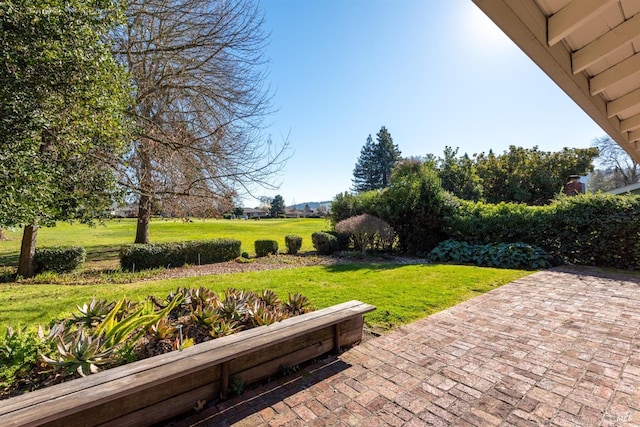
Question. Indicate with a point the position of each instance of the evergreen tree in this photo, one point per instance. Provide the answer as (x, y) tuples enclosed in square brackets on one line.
[(277, 206), (377, 159)]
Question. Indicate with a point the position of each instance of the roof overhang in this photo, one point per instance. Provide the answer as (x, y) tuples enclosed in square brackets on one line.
[(589, 48)]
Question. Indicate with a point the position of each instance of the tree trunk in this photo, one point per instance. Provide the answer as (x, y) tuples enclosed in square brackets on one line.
[(144, 218), (26, 264)]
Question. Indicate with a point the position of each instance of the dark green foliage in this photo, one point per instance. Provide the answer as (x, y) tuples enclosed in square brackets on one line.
[(600, 230), (19, 350), (324, 243), (168, 255), (373, 169), (266, 247), (414, 206), (294, 243), (59, 259), (459, 175), (530, 176), (346, 205), (277, 206), (501, 255)]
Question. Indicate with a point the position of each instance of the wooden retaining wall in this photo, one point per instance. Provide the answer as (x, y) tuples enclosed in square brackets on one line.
[(155, 389)]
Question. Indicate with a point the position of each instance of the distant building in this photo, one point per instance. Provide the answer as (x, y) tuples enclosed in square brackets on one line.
[(251, 213)]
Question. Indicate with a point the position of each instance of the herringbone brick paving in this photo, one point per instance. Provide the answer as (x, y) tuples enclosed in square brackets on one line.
[(556, 348)]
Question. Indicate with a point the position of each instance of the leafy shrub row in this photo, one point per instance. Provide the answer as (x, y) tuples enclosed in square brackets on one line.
[(147, 256), (601, 230), (59, 259), (500, 255)]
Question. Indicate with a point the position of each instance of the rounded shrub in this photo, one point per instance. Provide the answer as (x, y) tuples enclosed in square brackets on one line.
[(266, 247), (324, 243), (294, 243), (367, 232), (59, 259)]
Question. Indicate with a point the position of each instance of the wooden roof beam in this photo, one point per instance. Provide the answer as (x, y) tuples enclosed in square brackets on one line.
[(632, 123), (623, 103), (573, 16), (634, 136), (611, 76), (607, 43)]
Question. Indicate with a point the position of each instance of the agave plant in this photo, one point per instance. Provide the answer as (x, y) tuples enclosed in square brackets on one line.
[(162, 329), (298, 304), (93, 313), (82, 353), (270, 298), (223, 328), (231, 308), (206, 315)]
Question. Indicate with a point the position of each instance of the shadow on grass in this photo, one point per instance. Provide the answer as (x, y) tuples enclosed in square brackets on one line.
[(354, 265)]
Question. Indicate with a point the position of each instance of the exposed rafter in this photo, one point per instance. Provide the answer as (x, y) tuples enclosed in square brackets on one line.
[(572, 16), (609, 42), (623, 103), (627, 68), (632, 123)]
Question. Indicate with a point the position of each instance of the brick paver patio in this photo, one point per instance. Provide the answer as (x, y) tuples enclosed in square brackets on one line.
[(558, 348)]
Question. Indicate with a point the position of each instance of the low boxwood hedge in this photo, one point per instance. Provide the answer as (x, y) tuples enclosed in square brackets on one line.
[(59, 259), (176, 254)]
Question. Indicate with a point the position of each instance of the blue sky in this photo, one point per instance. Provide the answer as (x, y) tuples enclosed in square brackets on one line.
[(434, 72)]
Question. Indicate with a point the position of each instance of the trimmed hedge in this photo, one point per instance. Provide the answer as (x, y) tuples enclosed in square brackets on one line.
[(59, 259), (265, 247), (176, 254), (601, 230), (294, 243), (324, 243)]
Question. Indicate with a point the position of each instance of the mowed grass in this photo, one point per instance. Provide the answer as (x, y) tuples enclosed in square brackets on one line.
[(401, 293), (102, 242)]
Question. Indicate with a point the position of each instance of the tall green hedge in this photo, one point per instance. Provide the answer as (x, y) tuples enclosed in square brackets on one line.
[(601, 230)]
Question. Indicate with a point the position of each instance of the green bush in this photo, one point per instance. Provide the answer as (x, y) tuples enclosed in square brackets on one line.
[(294, 243), (147, 256), (19, 353), (500, 255), (60, 259), (266, 247), (414, 205), (324, 243)]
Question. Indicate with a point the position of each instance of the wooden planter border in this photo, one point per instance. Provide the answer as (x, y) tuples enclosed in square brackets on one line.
[(154, 389)]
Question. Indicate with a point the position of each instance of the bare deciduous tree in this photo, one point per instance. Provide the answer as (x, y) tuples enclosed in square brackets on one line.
[(199, 74), (619, 168)]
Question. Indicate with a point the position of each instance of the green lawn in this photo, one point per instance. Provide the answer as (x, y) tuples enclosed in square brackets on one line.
[(402, 293), (102, 241)]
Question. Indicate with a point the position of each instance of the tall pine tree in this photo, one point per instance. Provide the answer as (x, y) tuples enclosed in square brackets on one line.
[(373, 168)]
